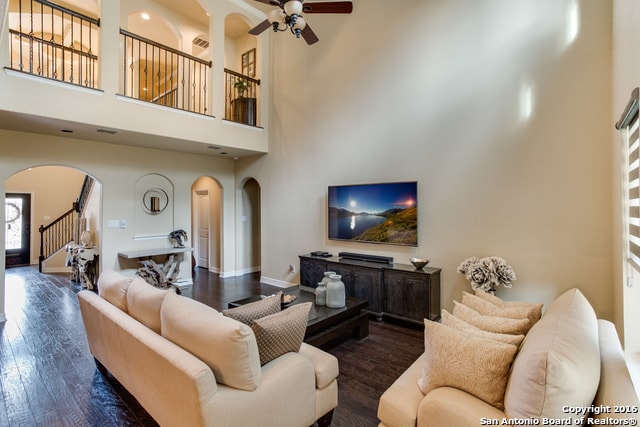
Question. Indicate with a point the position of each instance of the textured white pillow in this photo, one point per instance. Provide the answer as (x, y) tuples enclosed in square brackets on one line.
[(485, 307), (537, 308), (226, 345), (497, 324), (456, 359), (452, 321), (558, 365)]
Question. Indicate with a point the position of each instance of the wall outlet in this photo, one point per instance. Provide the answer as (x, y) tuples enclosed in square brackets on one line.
[(123, 223), (292, 268)]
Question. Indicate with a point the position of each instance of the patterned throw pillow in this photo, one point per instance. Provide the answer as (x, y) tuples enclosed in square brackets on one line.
[(537, 308), (249, 312), (490, 309), (455, 359), (452, 321), (497, 324), (282, 332)]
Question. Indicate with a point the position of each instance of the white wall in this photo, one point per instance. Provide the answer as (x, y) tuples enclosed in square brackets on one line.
[(437, 92)]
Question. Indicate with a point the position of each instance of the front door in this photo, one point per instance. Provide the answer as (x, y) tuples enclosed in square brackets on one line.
[(17, 208)]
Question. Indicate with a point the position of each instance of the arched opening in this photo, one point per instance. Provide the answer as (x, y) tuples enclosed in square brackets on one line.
[(250, 228), (64, 207), (242, 71), (206, 222)]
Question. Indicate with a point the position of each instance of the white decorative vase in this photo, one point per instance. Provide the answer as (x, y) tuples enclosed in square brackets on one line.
[(327, 274), (336, 297), (85, 238), (321, 294)]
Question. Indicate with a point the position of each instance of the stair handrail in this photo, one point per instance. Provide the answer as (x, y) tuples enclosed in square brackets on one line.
[(56, 235)]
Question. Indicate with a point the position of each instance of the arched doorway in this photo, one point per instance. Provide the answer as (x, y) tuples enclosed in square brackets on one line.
[(61, 198), (250, 228), (206, 220)]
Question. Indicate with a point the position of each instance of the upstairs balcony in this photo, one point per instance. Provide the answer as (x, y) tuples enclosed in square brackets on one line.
[(60, 43)]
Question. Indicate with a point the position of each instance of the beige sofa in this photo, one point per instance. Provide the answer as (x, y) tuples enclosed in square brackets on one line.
[(568, 360), (188, 365)]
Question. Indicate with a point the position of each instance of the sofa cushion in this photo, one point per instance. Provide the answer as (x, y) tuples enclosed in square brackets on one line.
[(144, 302), (457, 359), (497, 324), (488, 308), (452, 321), (113, 286), (226, 345), (247, 313), (558, 365), (537, 308), (282, 332)]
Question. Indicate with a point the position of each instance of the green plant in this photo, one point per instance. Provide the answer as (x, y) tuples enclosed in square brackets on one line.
[(241, 87)]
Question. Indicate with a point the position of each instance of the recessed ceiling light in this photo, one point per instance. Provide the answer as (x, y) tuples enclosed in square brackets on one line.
[(145, 16), (214, 147), (223, 152)]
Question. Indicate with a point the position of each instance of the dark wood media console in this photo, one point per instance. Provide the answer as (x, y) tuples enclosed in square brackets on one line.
[(394, 290)]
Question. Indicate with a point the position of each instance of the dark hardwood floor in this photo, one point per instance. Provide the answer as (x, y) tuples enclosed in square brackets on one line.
[(49, 378)]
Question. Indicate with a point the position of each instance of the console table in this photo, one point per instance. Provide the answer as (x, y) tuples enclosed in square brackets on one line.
[(393, 290), (141, 254)]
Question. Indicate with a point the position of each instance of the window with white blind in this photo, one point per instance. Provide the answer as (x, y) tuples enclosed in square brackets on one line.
[(629, 123)]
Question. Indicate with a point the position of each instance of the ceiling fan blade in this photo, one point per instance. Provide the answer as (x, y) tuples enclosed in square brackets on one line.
[(308, 35), (260, 27), (328, 7)]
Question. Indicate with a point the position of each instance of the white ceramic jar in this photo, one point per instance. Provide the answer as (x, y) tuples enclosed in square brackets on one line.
[(336, 297)]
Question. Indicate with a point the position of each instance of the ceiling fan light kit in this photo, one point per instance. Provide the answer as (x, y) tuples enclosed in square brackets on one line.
[(288, 15)]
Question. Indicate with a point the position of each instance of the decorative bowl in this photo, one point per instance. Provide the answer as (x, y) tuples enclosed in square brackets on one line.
[(418, 263)]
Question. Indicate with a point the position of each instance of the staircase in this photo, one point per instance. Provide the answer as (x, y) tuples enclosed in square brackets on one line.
[(65, 228)]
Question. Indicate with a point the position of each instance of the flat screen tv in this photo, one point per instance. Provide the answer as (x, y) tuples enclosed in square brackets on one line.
[(374, 213)]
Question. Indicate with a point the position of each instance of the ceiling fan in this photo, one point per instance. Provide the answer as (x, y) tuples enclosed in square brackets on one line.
[(289, 16)]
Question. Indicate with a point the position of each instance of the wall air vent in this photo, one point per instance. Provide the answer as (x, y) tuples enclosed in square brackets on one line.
[(109, 131), (200, 42)]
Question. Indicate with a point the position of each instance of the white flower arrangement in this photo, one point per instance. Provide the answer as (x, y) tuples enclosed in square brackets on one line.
[(487, 273)]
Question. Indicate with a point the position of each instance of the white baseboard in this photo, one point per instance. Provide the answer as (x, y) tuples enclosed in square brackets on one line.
[(46, 269), (275, 282), (236, 273)]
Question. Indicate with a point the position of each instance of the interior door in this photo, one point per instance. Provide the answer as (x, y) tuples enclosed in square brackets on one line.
[(202, 204), (17, 213)]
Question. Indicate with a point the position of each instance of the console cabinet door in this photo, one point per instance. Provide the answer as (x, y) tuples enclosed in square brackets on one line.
[(311, 271), (407, 295), (360, 282)]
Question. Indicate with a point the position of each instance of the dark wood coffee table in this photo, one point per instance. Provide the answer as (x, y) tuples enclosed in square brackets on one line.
[(326, 325)]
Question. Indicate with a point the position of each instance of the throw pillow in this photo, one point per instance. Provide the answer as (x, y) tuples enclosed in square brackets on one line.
[(500, 325), (226, 345), (455, 359), (559, 363), (452, 321), (490, 309), (113, 286), (282, 332), (249, 312), (144, 302), (537, 308)]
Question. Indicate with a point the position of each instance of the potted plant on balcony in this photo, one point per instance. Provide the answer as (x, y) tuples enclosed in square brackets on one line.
[(243, 108)]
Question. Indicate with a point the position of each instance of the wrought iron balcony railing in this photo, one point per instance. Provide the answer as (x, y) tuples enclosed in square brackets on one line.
[(162, 75), (241, 98), (54, 42)]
